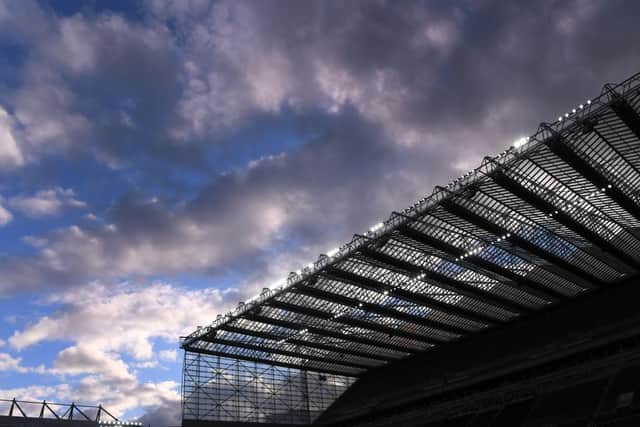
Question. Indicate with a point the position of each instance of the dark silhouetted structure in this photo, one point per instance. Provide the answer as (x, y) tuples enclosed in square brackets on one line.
[(25, 413), (508, 297)]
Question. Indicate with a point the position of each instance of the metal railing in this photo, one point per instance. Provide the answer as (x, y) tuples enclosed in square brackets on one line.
[(61, 411)]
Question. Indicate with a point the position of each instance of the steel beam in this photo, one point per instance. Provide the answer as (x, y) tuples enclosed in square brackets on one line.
[(378, 309), (297, 341), (288, 353), (625, 112), (516, 281), (440, 280), (270, 362), (350, 321), (416, 298), (585, 279), (563, 218), (329, 333), (560, 148)]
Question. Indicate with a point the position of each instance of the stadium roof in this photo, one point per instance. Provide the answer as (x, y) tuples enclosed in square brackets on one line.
[(552, 217)]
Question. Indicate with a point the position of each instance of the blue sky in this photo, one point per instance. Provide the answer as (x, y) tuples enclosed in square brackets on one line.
[(160, 161)]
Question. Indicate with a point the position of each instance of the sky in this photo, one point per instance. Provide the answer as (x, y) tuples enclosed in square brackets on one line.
[(162, 160)]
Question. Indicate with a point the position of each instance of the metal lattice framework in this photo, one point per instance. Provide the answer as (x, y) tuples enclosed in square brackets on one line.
[(554, 216), (223, 389)]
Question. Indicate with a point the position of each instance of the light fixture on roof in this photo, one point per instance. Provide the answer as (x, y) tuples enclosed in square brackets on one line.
[(581, 106), (520, 141), (560, 118), (376, 227), (588, 101), (333, 252)]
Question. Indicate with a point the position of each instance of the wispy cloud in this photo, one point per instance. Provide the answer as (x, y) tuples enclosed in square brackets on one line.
[(46, 202)]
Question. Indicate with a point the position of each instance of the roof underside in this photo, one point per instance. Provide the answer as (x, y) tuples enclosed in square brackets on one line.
[(543, 222)]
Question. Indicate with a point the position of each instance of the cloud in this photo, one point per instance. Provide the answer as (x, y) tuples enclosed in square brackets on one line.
[(39, 392), (10, 153), (84, 359), (304, 197), (76, 100), (104, 324), (9, 363), (46, 202), (5, 215), (133, 315), (169, 355)]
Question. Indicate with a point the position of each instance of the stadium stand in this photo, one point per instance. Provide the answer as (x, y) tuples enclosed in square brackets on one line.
[(507, 298)]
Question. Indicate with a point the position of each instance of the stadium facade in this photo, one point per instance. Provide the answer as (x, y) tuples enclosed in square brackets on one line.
[(501, 297)]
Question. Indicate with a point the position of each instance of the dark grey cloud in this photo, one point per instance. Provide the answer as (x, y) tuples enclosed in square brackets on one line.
[(343, 180), (399, 95)]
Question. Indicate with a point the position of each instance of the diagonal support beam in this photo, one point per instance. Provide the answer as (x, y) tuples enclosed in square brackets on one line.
[(288, 353), (378, 309), (516, 281), (329, 333), (625, 112), (350, 321), (270, 362), (560, 148), (374, 285), (310, 344), (542, 205), (571, 272), (445, 282)]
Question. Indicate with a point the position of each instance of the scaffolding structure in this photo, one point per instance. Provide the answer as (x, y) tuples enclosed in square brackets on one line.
[(215, 388), (553, 217)]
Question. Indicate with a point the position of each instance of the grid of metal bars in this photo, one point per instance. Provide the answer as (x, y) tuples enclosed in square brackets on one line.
[(547, 220), (225, 389)]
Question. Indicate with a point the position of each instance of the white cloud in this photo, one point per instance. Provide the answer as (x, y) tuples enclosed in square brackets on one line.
[(124, 318), (5, 215), (10, 153), (104, 323), (14, 364), (169, 355), (83, 359), (35, 241), (146, 364), (46, 202), (9, 363), (38, 392)]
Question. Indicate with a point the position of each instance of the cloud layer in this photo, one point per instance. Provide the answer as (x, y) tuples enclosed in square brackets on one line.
[(226, 143)]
